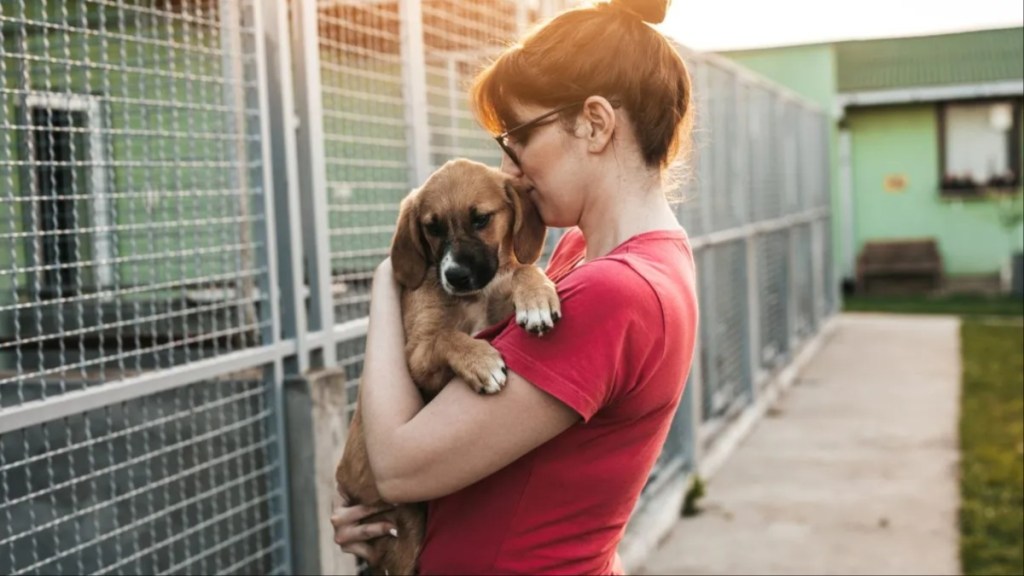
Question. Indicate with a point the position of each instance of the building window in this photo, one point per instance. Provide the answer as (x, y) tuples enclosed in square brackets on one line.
[(979, 146), (65, 177)]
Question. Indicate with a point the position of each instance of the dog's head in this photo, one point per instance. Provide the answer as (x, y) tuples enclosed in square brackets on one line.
[(467, 221)]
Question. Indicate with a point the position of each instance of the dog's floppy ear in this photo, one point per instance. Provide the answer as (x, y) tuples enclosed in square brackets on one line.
[(528, 230), (409, 257)]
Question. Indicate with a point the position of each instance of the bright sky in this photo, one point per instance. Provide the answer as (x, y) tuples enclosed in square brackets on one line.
[(732, 24)]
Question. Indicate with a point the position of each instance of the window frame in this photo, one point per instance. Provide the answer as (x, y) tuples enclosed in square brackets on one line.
[(99, 215), (978, 190)]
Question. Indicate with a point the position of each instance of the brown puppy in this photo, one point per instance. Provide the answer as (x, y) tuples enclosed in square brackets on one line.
[(463, 252)]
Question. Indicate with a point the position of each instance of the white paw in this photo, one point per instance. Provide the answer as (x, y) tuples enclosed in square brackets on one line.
[(537, 320), (482, 367), (496, 381)]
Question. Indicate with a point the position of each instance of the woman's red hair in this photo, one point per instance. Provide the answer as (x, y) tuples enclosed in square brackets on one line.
[(603, 50)]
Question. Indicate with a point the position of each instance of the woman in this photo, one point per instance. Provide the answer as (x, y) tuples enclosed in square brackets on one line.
[(591, 108)]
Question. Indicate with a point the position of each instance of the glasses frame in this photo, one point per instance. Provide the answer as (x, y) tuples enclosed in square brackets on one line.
[(502, 139)]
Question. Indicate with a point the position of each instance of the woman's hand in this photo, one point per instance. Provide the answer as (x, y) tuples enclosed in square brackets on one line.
[(352, 535)]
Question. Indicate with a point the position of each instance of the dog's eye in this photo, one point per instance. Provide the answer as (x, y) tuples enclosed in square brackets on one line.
[(480, 221), (434, 228)]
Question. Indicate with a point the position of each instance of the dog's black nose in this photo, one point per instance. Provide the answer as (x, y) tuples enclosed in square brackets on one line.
[(459, 278)]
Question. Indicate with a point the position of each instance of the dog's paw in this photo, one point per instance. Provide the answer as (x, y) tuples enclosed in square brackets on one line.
[(537, 306), (481, 366)]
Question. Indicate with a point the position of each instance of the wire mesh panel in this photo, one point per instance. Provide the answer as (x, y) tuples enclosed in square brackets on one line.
[(460, 37), (171, 483), (365, 140), (790, 132), (773, 276), (133, 241), (351, 354), (766, 136), (130, 216), (808, 158), (724, 365), (725, 169), (828, 267), (699, 203), (803, 282)]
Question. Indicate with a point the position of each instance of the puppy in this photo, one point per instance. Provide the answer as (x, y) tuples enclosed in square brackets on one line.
[(463, 252)]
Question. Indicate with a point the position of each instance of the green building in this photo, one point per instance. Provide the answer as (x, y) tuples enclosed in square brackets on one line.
[(927, 140)]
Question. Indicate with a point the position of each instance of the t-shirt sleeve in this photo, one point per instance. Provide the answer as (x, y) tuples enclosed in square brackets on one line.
[(607, 312)]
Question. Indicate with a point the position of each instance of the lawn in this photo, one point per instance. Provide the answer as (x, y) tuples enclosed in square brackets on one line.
[(992, 449)]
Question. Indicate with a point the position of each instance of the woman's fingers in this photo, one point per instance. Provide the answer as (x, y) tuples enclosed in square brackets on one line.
[(352, 535), (352, 514), (353, 538)]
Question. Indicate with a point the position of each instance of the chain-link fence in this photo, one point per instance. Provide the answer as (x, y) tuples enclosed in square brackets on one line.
[(194, 196)]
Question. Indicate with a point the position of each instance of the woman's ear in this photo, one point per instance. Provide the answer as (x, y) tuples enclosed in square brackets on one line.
[(528, 230), (599, 117), (409, 257)]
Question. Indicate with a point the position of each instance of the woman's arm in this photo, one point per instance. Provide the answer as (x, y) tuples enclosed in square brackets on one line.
[(422, 452)]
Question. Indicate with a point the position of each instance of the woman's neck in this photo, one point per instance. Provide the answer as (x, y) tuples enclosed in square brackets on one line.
[(622, 211)]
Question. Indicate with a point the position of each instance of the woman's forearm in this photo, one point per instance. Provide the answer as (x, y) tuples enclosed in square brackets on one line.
[(388, 397)]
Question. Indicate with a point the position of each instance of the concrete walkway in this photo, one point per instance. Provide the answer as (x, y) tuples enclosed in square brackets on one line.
[(853, 471)]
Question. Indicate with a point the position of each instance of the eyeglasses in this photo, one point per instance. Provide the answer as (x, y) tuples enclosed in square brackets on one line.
[(503, 138)]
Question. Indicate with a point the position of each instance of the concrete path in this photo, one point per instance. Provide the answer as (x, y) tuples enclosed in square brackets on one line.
[(854, 471)]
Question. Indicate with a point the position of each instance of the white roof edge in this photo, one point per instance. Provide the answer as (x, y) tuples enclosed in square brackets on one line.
[(930, 93)]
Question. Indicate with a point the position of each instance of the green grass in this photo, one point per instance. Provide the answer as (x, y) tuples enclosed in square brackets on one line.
[(958, 305), (992, 449)]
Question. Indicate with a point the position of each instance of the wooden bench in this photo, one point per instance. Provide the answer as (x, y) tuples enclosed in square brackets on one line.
[(905, 266)]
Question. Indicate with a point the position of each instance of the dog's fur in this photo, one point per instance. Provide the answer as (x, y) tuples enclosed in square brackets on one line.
[(463, 252)]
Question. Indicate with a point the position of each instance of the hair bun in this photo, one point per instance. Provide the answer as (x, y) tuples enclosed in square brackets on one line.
[(650, 11)]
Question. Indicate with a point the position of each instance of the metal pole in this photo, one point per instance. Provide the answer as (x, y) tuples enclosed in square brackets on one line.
[(234, 100), (283, 165), (313, 169), (414, 85), (275, 104)]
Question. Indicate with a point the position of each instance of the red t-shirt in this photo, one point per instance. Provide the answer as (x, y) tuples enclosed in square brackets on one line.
[(619, 357)]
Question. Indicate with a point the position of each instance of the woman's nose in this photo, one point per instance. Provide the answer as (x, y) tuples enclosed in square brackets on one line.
[(509, 167)]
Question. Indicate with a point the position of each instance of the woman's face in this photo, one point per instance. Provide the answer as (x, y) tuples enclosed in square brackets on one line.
[(550, 163)]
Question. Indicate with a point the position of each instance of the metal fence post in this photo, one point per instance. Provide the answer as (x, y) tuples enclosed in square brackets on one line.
[(273, 375), (414, 72), (753, 359), (283, 158), (313, 170)]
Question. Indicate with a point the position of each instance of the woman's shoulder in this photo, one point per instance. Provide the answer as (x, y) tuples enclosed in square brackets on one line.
[(608, 280)]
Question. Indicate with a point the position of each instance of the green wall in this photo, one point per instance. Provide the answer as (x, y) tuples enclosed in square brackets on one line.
[(903, 140), (806, 70)]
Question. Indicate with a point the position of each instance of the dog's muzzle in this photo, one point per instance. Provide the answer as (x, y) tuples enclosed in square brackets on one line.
[(464, 274)]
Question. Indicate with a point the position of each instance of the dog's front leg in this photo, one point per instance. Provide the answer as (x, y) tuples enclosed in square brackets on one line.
[(535, 300), (475, 361)]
